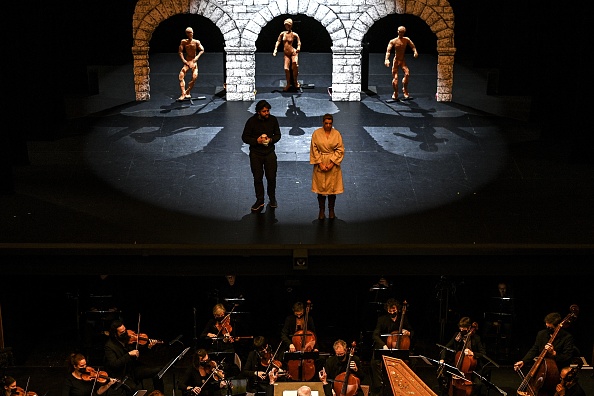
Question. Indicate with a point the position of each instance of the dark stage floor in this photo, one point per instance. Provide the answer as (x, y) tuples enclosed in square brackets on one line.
[(420, 176)]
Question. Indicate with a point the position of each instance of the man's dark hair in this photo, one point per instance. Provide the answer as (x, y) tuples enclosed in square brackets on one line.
[(553, 318), (261, 104)]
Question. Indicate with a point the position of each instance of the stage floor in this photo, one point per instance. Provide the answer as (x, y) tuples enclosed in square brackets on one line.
[(419, 175)]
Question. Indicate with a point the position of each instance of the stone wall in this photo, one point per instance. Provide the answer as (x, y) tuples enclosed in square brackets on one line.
[(346, 21)]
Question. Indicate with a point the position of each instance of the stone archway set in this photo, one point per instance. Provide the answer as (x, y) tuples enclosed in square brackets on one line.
[(240, 23)]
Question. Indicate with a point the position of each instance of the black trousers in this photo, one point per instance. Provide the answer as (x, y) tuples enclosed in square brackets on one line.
[(262, 165)]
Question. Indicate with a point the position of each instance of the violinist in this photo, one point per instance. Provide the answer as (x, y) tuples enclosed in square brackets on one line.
[(569, 385), (122, 357), (293, 324), (561, 351), (11, 388), (337, 365), (204, 376), (471, 349), (387, 324), (219, 332), (79, 383), (260, 361)]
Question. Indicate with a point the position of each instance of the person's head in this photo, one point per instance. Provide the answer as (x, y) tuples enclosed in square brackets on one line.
[(392, 306), (218, 311), (502, 287), (552, 320), (230, 279), (568, 376), (464, 324), (298, 309), (200, 357), (9, 384), (77, 362), (327, 121), (340, 349), (288, 23), (383, 281), (260, 343), (263, 109), (156, 392), (304, 391), (401, 31), (189, 32), (118, 331)]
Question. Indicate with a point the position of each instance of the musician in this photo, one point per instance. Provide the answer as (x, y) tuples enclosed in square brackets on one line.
[(10, 385), (386, 324), (122, 358), (337, 364), (474, 348), (294, 323), (561, 351), (203, 376), (257, 366), (216, 334), (569, 385), (75, 385)]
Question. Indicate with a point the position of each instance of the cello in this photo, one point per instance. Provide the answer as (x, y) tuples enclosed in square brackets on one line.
[(346, 384), (544, 373), (398, 340), (462, 386), (304, 341)]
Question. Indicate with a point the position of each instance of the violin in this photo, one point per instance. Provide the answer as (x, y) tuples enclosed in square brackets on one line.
[(21, 392), (94, 375), (211, 369), (141, 338), (268, 360), (224, 327)]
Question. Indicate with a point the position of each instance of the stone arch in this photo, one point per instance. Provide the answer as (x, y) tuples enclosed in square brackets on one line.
[(149, 14), (320, 12), (346, 36), (440, 19)]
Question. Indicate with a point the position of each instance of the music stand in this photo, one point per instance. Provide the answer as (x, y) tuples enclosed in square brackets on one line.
[(171, 363)]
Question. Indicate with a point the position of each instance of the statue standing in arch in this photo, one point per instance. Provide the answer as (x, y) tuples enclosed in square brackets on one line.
[(193, 51), (291, 53), (399, 44)]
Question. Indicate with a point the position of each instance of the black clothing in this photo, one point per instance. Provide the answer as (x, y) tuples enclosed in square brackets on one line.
[(335, 366), (252, 364), (210, 385), (218, 344), (563, 345), (457, 343), (119, 364), (76, 387), (262, 158), (384, 325)]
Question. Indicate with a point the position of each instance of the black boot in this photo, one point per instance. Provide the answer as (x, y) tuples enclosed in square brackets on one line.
[(322, 206), (331, 203)]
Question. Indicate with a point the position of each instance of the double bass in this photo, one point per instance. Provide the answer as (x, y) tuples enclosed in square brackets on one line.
[(398, 340), (346, 384), (304, 341), (544, 372), (462, 386)]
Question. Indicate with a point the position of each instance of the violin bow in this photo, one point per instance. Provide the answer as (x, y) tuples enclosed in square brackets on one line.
[(138, 331), (271, 362)]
